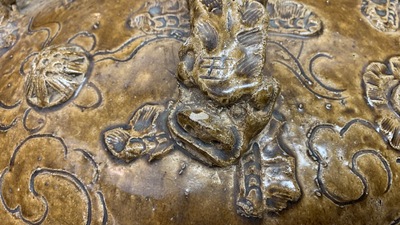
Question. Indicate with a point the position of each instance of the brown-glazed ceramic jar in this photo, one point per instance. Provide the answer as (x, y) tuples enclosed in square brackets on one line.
[(199, 112)]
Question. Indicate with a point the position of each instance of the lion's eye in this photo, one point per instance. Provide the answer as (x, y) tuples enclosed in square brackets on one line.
[(208, 35)]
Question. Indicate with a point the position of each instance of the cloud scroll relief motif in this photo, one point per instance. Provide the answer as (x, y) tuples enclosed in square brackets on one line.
[(351, 161), (42, 173)]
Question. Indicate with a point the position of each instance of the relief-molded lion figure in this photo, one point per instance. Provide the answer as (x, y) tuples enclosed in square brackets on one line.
[(225, 98)]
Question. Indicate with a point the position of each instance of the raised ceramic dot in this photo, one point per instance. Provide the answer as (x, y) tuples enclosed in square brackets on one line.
[(328, 106)]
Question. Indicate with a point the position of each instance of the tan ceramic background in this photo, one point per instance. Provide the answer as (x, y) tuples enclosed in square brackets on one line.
[(158, 193)]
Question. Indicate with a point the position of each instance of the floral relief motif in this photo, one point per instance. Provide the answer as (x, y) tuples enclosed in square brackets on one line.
[(382, 14), (292, 19), (56, 75), (52, 76), (381, 82), (169, 17)]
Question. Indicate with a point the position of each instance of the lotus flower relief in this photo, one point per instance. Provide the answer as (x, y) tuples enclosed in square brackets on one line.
[(382, 89), (57, 74), (292, 18), (382, 14)]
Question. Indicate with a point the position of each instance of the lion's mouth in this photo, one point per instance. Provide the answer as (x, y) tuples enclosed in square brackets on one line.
[(216, 67)]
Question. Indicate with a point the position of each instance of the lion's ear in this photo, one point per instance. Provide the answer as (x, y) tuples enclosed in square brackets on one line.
[(214, 6)]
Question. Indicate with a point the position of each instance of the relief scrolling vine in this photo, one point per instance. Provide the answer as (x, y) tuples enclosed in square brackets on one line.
[(47, 161)]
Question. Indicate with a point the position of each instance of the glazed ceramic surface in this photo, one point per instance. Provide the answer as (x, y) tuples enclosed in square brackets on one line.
[(199, 112)]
